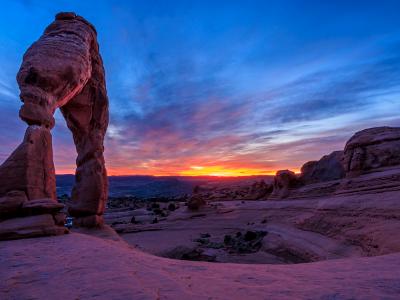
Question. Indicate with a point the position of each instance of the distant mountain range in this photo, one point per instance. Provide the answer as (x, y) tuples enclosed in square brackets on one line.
[(150, 186)]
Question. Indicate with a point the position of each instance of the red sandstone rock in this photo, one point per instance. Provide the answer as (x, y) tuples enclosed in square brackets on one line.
[(59, 219), (30, 167), (64, 69), (41, 206), (89, 221), (10, 204), (370, 149), (329, 167), (55, 69), (32, 226)]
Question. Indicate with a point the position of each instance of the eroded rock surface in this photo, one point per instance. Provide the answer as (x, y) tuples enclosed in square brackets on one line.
[(371, 149), (30, 167), (11, 204), (30, 226), (21, 217), (63, 69)]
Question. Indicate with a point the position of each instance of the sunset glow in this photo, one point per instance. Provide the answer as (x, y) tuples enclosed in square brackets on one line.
[(219, 171), (247, 94)]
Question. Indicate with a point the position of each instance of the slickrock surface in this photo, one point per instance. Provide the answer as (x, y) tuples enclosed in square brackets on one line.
[(79, 266), (303, 230)]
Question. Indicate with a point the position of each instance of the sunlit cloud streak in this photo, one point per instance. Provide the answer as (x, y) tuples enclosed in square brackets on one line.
[(238, 89)]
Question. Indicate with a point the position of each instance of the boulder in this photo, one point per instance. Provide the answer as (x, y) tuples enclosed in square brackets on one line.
[(284, 181), (27, 227), (328, 168), (371, 149), (259, 190)]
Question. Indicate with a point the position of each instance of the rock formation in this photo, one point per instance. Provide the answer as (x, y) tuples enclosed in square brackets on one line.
[(259, 190), (284, 181), (329, 167), (63, 69), (30, 167), (351, 171), (370, 149)]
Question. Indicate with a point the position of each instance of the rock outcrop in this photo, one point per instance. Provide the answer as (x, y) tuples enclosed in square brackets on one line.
[(329, 167), (11, 204), (259, 190), (284, 181), (30, 167), (371, 149), (24, 218), (351, 171), (63, 69)]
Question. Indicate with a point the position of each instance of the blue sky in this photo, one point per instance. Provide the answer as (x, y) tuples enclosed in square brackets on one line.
[(221, 87)]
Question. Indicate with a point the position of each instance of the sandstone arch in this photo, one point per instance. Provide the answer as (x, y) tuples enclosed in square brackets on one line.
[(63, 69)]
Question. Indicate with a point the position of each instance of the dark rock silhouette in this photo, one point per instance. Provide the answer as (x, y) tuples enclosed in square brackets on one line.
[(11, 204), (259, 190), (370, 149), (329, 167), (196, 200), (63, 69), (284, 181)]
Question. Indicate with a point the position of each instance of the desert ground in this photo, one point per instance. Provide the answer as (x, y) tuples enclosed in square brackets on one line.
[(342, 246)]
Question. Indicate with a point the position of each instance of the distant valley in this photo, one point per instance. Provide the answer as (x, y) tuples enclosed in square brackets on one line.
[(154, 186)]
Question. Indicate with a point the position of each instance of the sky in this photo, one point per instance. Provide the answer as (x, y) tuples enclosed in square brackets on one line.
[(223, 88)]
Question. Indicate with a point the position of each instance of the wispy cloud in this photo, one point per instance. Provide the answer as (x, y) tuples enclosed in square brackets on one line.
[(252, 88)]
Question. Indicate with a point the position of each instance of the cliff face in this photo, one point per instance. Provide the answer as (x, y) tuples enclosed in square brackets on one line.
[(366, 151), (371, 149)]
